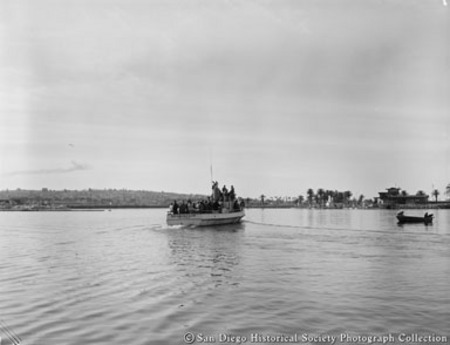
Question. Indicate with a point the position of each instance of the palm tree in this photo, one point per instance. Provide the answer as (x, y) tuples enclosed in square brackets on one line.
[(338, 197), (320, 196), (435, 193), (347, 196), (310, 194), (360, 200), (262, 198)]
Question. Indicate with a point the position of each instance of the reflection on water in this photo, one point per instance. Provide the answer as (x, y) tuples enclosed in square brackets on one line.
[(124, 277), (207, 256)]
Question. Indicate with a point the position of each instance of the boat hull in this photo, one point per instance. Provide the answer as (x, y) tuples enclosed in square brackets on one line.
[(411, 219), (204, 219)]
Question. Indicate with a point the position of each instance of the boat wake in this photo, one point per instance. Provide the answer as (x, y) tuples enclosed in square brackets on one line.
[(306, 227)]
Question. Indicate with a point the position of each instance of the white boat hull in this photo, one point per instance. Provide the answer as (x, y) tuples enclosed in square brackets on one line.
[(204, 219)]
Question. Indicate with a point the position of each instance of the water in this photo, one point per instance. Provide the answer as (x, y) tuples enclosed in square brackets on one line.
[(124, 277)]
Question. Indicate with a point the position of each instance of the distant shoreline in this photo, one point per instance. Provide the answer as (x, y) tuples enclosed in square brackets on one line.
[(109, 199), (81, 209), (269, 207), (66, 210)]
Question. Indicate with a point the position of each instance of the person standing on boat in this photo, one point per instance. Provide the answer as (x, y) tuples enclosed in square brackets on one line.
[(225, 193), (232, 194), (175, 207), (216, 194), (183, 207)]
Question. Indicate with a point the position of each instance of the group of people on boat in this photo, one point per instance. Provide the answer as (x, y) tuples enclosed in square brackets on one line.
[(222, 195), (217, 202)]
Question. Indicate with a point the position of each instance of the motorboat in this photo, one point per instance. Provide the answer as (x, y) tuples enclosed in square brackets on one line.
[(211, 218), (221, 208)]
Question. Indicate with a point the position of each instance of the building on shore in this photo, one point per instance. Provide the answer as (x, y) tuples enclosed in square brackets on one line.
[(396, 198)]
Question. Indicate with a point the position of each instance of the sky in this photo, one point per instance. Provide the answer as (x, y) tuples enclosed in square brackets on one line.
[(276, 96)]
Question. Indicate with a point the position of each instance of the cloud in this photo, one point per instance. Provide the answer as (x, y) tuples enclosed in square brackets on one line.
[(75, 166)]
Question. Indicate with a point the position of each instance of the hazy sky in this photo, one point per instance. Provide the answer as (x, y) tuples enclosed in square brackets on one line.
[(280, 95)]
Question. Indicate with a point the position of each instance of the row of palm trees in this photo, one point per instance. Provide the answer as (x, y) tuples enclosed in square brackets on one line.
[(435, 193), (323, 197)]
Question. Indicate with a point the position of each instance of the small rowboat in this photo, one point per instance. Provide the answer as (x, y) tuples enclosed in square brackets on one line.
[(426, 219)]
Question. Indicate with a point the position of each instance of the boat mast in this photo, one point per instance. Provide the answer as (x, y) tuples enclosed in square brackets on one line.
[(210, 164)]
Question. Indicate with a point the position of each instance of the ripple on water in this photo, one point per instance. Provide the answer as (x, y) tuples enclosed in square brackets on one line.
[(124, 277)]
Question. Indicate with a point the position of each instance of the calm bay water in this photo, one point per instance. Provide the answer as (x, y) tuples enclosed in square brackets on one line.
[(124, 277)]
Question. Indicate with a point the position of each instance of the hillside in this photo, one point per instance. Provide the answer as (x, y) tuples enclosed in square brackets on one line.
[(91, 198)]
